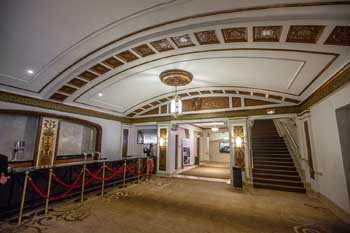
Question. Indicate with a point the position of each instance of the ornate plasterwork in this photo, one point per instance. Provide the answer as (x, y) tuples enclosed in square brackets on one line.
[(339, 36), (207, 37), (239, 34), (267, 33), (304, 33), (176, 77), (182, 41), (143, 50), (162, 45)]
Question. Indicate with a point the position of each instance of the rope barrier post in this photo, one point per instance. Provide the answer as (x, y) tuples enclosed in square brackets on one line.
[(103, 178), (23, 197), (83, 185), (138, 170), (48, 192), (124, 173)]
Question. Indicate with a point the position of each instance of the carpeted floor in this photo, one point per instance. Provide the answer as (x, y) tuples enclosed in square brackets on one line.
[(210, 170), (176, 205)]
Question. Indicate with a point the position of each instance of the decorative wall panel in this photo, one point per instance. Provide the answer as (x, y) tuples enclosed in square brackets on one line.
[(254, 102), (47, 142)]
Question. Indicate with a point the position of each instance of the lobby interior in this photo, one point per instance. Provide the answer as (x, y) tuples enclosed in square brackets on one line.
[(175, 115)]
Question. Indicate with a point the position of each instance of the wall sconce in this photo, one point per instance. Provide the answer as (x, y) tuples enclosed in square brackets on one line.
[(161, 141), (238, 142)]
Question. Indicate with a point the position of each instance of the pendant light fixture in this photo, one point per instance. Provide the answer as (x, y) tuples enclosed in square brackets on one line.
[(176, 78)]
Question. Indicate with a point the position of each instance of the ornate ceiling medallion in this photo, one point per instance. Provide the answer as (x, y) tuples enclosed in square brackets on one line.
[(176, 77)]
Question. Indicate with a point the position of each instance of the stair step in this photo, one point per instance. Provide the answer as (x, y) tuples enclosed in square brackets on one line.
[(272, 159), (278, 182), (277, 163), (275, 167), (275, 176), (276, 172), (280, 187)]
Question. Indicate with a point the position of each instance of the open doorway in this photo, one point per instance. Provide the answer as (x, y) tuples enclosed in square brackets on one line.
[(202, 150)]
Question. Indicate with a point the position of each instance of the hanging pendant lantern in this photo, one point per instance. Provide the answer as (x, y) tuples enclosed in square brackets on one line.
[(176, 78)]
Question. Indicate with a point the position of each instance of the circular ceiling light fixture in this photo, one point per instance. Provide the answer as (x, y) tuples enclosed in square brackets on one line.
[(175, 78), (100, 94)]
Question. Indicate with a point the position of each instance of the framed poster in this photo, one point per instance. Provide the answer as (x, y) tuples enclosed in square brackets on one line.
[(47, 142), (186, 152), (224, 147)]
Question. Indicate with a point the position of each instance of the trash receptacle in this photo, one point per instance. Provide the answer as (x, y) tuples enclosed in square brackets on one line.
[(237, 177)]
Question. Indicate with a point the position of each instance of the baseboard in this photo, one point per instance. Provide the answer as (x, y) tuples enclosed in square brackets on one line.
[(340, 213)]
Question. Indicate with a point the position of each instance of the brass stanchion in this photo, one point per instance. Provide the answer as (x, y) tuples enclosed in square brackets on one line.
[(103, 178), (83, 185), (138, 171), (147, 169), (48, 192), (124, 173), (23, 197)]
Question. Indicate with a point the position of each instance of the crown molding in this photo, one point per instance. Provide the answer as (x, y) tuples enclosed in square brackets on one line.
[(46, 104)]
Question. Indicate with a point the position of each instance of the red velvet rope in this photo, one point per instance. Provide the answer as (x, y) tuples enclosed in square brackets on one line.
[(113, 170), (135, 174), (38, 191), (58, 180), (95, 176)]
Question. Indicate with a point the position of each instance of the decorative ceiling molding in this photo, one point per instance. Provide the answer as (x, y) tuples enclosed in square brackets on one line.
[(304, 33), (46, 104), (339, 36), (197, 16), (267, 33), (340, 79)]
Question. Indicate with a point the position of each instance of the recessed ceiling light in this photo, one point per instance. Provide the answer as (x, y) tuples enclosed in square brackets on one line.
[(29, 71), (100, 94)]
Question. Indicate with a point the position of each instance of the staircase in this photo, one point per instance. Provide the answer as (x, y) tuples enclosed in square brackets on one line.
[(273, 165)]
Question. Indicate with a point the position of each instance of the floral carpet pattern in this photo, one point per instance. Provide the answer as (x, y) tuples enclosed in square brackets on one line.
[(182, 205)]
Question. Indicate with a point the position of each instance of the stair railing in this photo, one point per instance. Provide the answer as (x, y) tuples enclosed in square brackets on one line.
[(284, 131)]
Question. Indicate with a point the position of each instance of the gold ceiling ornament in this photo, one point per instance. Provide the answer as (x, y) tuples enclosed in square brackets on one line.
[(176, 77)]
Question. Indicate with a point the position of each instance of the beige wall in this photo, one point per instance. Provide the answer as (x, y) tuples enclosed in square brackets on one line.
[(215, 155)]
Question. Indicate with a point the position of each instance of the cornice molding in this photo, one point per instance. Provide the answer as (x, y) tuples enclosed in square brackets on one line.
[(46, 104), (340, 79)]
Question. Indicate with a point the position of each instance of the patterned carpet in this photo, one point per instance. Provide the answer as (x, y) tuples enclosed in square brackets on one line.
[(210, 170), (185, 206)]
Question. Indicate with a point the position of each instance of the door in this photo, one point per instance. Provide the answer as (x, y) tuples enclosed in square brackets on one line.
[(176, 151), (125, 142), (197, 159)]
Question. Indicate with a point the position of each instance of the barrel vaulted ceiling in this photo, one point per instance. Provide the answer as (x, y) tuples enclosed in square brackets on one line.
[(107, 55)]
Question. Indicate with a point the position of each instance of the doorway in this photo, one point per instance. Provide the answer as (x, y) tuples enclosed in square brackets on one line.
[(125, 142), (205, 151)]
